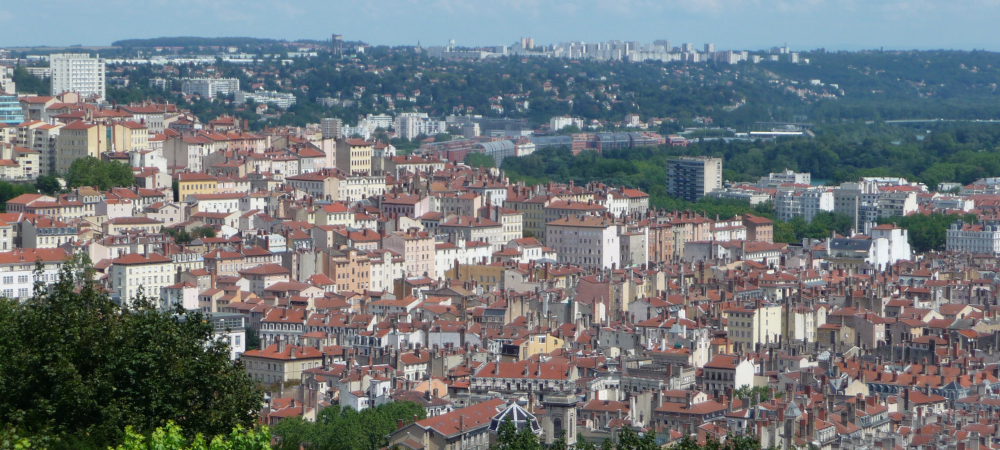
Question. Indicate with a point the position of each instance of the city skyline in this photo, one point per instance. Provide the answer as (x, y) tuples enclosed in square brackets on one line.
[(730, 24)]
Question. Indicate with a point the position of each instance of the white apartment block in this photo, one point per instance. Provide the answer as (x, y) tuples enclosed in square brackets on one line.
[(871, 198), (947, 202), (465, 252), (281, 100), (982, 239), (896, 202), (130, 272), (209, 88), (805, 203), (77, 73), (587, 241), (467, 228), (559, 122), (384, 270), (17, 270), (785, 177), (383, 121), (411, 125), (745, 192)]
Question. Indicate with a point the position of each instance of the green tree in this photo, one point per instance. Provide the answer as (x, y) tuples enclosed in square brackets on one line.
[(442, 137), (253, 339), (583, 444), (9, 191), (732, 442), (928, 231), (750, 394), (80, 368), (205, 231), (48, 184), (27, 83), (91, 171), (784, 232), (171, 437), (628, 439), (560, 442), (510, 438), (346, 429), (479, 160)]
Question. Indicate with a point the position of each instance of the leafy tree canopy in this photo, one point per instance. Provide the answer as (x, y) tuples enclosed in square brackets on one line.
[(480, 160), (91, 171), (78, 368), (48, 184), (347, 429), (171, 437)]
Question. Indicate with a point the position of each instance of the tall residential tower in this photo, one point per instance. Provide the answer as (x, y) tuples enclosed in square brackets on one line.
[(690, 178), (79, 73)]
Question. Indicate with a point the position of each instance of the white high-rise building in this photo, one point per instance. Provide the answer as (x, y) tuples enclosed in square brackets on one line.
[(411, 125), (79, 73)]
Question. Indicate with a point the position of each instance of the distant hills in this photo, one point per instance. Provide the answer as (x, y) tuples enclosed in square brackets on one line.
[(190, 41)]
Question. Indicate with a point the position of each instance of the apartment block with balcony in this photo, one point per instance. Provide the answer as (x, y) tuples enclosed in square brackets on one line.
[(690, 178)]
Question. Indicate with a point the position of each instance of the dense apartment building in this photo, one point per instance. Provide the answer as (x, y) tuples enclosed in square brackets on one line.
[(983, 238), (130, 272), (354, 156), (78, 140), (42, 138), (417, 249), (586, 241), (805, 203), (760, 324), (692, 177), (77, 73), (330, 127)]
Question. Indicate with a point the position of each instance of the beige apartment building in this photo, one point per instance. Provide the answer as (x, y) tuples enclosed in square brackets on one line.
[(79, 140), (417, 248), (129, 136), (749, 326), (354, 156), (278, 363)]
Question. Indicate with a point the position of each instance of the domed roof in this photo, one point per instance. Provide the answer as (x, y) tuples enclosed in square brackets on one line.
[(519, 416)]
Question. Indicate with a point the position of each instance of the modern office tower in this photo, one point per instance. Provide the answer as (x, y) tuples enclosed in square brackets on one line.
[(690, 178), (79, 73)]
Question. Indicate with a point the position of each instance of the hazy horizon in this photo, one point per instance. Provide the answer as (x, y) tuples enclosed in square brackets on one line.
[(729, 24)]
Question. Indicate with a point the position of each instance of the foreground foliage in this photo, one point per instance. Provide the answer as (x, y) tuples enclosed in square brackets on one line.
[(91, 171), (77, 369), (171, 437), (346, 429)]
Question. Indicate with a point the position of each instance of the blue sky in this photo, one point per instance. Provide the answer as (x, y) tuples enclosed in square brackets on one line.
[(730, 24)]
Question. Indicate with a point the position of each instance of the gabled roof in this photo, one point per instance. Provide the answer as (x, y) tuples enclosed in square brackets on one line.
[(470, 417)]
